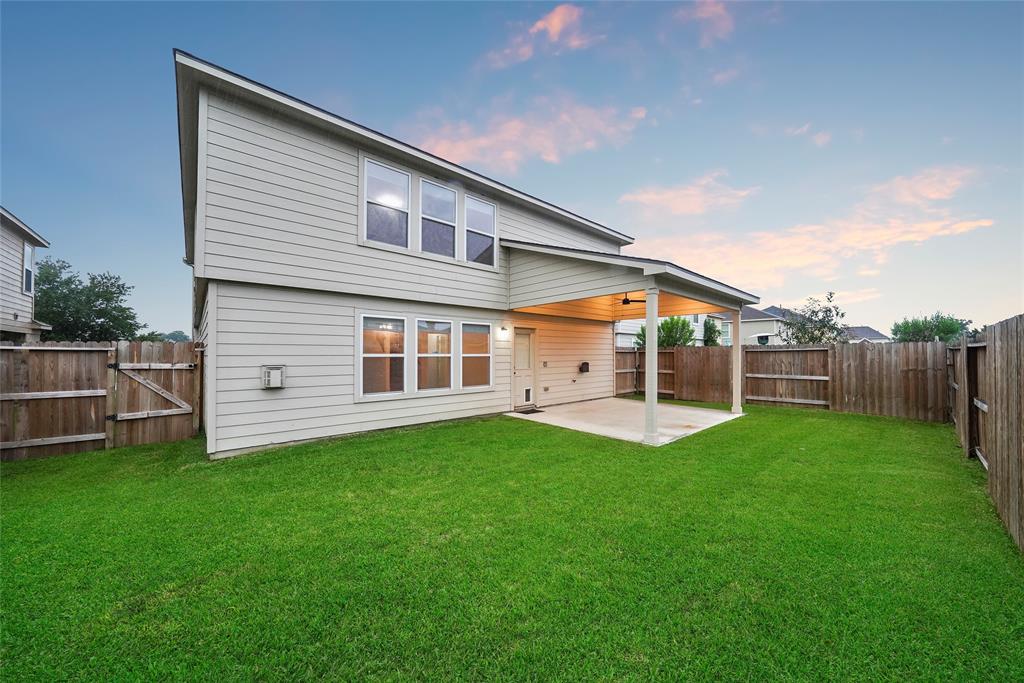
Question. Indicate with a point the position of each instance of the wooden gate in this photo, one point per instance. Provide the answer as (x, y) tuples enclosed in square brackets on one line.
[(67, 398)]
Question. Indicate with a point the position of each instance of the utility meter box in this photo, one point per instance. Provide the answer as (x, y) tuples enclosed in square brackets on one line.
[(273, 376), (585, 366)]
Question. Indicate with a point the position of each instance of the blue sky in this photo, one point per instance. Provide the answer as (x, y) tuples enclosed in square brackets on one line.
[(871, 149)]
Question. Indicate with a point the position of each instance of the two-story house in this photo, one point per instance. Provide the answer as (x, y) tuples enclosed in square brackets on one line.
[(346, 281), (18, 244), (760, 326)]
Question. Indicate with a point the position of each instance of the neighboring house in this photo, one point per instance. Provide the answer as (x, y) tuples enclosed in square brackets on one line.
[(18, 244), (856, 334), (345, 281), (758, 327), (626, 330)]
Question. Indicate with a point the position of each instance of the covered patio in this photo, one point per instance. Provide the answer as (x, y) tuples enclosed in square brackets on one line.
[(576, 283), (623, 418)]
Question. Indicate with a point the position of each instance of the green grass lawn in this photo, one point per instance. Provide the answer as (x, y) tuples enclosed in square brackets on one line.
[(785, 544)]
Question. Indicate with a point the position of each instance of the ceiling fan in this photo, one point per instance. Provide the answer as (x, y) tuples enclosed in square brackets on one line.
[(627, 301)]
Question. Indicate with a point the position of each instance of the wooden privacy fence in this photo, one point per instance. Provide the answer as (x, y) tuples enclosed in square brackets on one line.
[(986, 383), (900, 380), (72, 397)]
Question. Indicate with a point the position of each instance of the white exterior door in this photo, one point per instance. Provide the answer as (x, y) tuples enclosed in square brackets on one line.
[(523, 384)]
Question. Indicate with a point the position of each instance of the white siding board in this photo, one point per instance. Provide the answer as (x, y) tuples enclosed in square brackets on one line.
[(13, 300), (548, 279)]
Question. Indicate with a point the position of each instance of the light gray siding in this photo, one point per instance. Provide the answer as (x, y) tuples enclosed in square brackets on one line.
[(537, 279), (314, 335), (13, 300), (279, 205)]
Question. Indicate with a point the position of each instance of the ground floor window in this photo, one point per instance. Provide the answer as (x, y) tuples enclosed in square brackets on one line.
[(476, 355), (383, 355), (433, 354), (443, 356)]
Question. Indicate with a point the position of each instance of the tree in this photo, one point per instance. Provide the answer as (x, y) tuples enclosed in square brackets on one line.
[(939, 325), (175, 336), (90, 310), (673, 331), (816, 322), (712, 333)]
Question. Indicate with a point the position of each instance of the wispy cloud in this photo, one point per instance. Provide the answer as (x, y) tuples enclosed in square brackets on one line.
[(820, 138), (903, 210), (700, 196), (551, 129), (725, 76), (558, 30), (714, 19)]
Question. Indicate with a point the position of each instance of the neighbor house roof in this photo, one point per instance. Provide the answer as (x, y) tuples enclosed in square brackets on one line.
[(191, 72), (864, 332), (650, 267), (18, 225), (750, 314)]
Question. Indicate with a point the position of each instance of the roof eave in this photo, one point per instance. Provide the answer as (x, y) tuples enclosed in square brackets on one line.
[(192, 70), (29, 234)]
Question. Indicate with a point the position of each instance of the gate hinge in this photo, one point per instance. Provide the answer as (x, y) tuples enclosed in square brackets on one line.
[(112, 418), (113, 366)]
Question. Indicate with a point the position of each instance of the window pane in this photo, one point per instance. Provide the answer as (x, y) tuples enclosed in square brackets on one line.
[(383, 335), (475, 339), (438, 202), (382, 375), (476, 371), (479, 216), (438, 238), (433, 337), (434, 373), (479, 248), (387, 187), (28, 280), (390, 226)]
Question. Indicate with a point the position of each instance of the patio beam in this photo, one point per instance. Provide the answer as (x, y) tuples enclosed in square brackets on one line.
[(651, 368), (737, 364)]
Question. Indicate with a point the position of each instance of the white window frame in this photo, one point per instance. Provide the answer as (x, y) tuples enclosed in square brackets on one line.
[(467, 229), (364, 232), (489, 355), (28, 262), (450, 356), (423, 214), (726, 339), (414, 241), (360, 355)]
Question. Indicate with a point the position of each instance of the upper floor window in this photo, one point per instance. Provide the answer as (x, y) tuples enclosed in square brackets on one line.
[(28, 269), (476, 354), (437, 219), (387, 204), (479, 231)]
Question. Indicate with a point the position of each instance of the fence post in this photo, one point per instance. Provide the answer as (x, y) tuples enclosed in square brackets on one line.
[(963, 398), (109, 418)]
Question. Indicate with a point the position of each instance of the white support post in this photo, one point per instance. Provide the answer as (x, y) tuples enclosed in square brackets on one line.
[(651, 369), (737, 364)]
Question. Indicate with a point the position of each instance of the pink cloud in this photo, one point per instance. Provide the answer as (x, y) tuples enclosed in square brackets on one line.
[(725, 76), (561, 26), (938, 183), (551, 130), (821, 138), (702, 195), (898, 212), (714, 19)]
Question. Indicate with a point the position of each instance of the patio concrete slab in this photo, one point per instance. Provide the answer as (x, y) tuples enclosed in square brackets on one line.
[(623, 418)]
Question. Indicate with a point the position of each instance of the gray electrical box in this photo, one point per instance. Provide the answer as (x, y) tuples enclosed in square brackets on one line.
[(273, 376)]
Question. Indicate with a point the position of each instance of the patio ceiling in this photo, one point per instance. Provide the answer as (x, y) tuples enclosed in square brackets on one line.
[(586, 284), (610, 307)]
